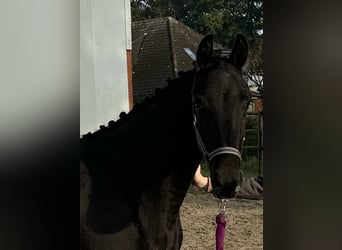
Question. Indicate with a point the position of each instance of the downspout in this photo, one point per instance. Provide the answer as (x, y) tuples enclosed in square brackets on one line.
[(172, 49)]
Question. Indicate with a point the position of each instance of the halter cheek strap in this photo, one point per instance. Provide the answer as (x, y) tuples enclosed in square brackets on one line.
[(218, 151)]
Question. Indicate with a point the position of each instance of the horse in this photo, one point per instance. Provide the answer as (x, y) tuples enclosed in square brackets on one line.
[(135, 172)]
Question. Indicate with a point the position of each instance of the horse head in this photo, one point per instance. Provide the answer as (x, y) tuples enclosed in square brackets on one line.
[(220, 98)]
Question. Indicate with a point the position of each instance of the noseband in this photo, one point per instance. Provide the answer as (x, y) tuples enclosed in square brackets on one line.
[(217, 151)]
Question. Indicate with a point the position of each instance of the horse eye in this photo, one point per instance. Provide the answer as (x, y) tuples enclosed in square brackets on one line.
[(197, 106)]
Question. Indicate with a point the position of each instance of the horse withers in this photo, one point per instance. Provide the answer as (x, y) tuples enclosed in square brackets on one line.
[(136, 171)]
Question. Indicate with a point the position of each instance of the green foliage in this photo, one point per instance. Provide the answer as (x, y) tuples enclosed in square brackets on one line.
[(250, 150), (249, 167), (223, 18), (205, 168), (251, 136), (256, 65)]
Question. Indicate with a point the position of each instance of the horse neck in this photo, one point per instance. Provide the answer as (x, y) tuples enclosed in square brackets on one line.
[(150, 146), (158, 144), (172, 142), (175, 156)]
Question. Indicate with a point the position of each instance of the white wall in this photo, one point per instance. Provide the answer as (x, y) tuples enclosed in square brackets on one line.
[(105, 35)]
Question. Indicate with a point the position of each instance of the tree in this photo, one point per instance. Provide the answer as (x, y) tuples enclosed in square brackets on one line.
[(223, 18), (149, 9), (256, 67)]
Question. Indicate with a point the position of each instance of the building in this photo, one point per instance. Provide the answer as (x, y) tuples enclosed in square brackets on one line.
[(162, 47), (105, 62)]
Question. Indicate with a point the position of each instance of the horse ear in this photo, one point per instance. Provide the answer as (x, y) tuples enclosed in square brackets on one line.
[(204, 51), (239, 54)]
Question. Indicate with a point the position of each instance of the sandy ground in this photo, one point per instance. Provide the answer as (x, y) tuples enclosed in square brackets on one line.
[(244, 229)]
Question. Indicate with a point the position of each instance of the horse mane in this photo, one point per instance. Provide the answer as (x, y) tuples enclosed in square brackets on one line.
[(159, 94)]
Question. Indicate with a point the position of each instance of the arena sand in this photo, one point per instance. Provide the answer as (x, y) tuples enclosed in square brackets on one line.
[(244, 229)]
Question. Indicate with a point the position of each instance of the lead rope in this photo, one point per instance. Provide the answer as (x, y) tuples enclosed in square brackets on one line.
[(221, 225)]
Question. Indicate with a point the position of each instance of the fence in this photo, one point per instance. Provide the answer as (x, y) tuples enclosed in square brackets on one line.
[(252, 150)]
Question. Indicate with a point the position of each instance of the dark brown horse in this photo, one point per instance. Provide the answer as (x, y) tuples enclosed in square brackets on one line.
[(136, 171)]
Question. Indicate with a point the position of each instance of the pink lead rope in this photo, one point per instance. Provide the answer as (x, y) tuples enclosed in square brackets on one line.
[(221, 225), (220, 228)]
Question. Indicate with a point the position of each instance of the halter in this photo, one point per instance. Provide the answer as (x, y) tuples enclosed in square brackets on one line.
[(218, 151)]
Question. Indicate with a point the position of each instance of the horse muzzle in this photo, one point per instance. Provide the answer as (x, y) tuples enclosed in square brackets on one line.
[(226, 176), (228, 190)]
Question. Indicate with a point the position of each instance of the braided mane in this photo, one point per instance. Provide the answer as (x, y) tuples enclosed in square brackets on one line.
[(138, 108)]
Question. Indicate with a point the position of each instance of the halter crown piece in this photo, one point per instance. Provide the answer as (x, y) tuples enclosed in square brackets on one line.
[(218, 151)]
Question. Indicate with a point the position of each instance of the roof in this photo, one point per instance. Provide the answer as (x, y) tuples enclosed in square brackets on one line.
[(159, 51), (160, 48)]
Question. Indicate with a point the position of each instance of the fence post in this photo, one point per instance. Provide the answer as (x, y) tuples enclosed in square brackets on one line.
[(260, 143)]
